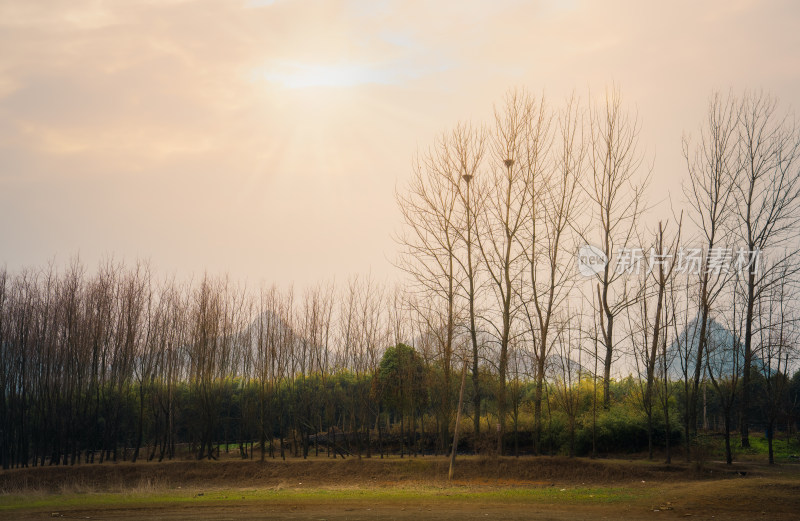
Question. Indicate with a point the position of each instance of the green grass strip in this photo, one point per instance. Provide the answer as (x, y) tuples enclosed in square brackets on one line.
[(539, 494)]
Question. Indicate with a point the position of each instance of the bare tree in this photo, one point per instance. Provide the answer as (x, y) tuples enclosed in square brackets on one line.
[(652, 330), (145, 348), (215, 320), (711, 165), (724, 362), (554, 201), (668, 356), (567, 372), (615, 190), (767, 195), (777, 347), (429, 248), (465, 151), (518, 150)]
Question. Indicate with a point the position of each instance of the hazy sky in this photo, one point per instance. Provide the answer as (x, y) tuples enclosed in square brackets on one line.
[(265, 138)]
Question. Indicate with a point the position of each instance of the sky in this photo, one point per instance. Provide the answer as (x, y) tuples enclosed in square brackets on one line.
[(266, 139)]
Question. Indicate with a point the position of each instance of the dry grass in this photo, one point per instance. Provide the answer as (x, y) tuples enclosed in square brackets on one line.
[(560, 488), (525, 471)]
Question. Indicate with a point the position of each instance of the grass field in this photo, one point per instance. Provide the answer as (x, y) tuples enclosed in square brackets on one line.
[(416, 488)]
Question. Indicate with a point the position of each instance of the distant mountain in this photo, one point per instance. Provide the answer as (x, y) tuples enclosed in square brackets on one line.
[(725, 351), (266, 321), (557, 367)]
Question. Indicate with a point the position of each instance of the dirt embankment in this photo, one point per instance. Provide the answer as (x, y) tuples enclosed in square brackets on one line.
[(350, 472)]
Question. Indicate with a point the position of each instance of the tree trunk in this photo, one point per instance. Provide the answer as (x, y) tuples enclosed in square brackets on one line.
[(748, 358), (458, 422), (728, 454), (770, 427)]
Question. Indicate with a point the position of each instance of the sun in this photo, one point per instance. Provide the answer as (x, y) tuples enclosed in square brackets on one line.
[(300, 75)]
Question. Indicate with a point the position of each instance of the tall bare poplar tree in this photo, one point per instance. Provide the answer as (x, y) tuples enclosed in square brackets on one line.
[(429, 248), (554, 201), (711, 164), (464, 152), (615, 190), (518, 145)]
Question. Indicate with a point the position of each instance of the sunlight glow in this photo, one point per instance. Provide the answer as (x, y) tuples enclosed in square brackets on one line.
[(295, 75)]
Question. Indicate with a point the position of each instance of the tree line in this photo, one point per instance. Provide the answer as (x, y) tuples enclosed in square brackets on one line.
[(538, 275)]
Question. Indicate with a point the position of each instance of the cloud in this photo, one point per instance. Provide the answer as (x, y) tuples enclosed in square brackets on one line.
[(260, 129)]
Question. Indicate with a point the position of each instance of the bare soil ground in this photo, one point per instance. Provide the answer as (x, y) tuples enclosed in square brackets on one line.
[(415, 488)]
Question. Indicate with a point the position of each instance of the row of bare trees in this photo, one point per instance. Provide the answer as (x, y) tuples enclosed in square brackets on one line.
[(495, 215), (745, 192), (94, 364)]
